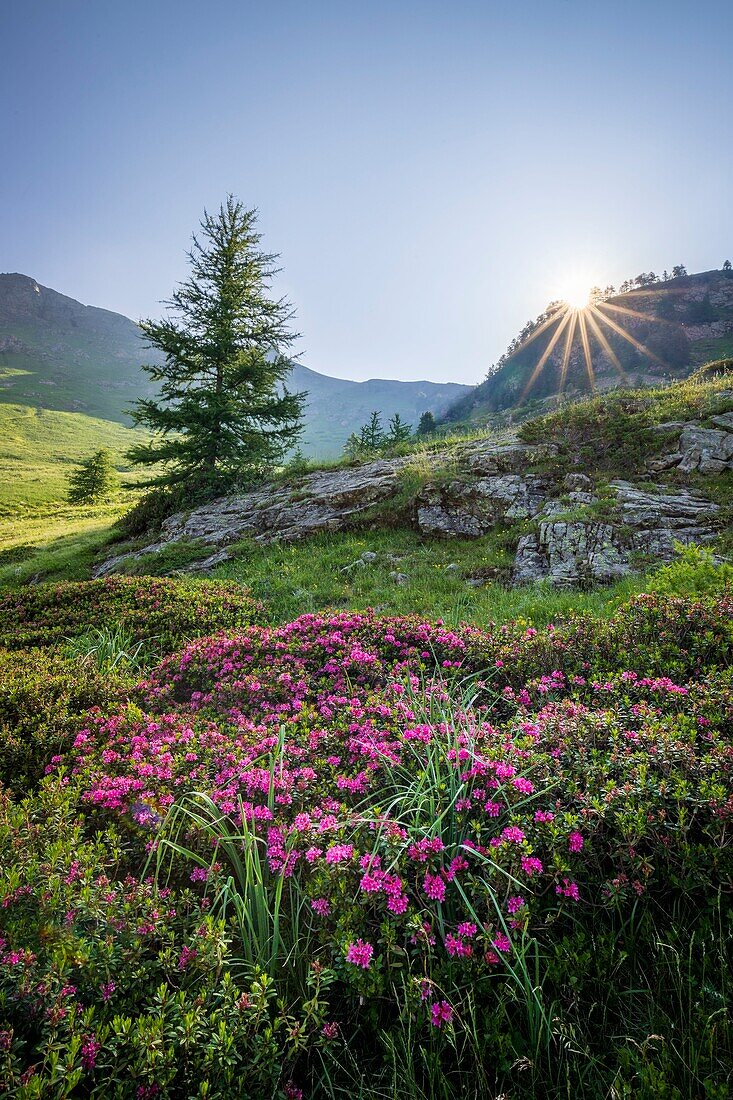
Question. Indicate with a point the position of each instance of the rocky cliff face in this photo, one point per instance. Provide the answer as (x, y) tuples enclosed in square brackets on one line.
[(570, 529)]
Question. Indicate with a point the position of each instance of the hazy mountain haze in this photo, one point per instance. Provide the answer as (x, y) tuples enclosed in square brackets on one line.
[(58, 354)]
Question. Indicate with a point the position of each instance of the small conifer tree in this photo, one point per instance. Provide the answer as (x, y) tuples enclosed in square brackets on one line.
[(95, 480), (427, 424), (371, 436), (399, 431)]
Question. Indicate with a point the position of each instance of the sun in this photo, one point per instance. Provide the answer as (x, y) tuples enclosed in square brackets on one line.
[(580, 318), (576, 293)]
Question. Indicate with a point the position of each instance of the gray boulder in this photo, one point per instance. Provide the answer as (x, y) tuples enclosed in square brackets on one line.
[(473, 508), (645, 521)]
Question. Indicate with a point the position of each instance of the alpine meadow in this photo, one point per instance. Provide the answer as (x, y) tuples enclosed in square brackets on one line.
[(366, 649)]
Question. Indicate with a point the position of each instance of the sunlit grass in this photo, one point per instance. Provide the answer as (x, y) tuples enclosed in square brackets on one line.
[(325, 572)]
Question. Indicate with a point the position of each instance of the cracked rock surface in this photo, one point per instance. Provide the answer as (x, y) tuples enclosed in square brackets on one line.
[(468, 491), (645, 521)]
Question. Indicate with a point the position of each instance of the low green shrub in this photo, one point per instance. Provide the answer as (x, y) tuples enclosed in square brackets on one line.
[(148, 513), (694, 573), (44, 699), (608, 433), (613, 432), (165, 611)]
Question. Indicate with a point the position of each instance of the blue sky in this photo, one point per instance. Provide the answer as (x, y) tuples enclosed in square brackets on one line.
[(431, 173)]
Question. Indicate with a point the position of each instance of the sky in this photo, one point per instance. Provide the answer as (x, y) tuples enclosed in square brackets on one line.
[(431, 174)]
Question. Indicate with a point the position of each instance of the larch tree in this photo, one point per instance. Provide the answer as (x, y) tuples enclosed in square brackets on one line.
[(223, 413), (427, 424), (399, 431)]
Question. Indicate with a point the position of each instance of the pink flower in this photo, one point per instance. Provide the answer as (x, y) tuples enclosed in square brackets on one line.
[(531, 865), (524, 786), (467, 929), (568, 889), (89, 1051), (360, 954), (434, 887), (575, 842), (502, 942), (515, 904), (454, 945), (187, 955), (397, 903), (339, 853), (440, 1013), (370, 884), (321, 906)]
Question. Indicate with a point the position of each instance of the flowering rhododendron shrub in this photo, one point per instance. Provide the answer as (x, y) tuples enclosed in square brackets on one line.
[(129, 982), (458, 835), (151, 608)]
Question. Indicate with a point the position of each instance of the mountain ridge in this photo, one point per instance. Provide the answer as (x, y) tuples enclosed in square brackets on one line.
[(87, 359)]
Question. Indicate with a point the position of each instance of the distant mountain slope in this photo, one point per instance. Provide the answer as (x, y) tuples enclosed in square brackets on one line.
[(668, 330), (56, 353)]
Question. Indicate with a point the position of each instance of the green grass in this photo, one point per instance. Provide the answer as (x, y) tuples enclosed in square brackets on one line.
[(61, 549), (38, 450), (294, 579), (41, 535)]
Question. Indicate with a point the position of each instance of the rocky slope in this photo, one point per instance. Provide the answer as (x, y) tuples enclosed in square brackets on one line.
[(566, 527), (56, 353)]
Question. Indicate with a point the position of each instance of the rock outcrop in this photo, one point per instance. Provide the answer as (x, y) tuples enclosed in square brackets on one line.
[(469, 491), (706, 449), (642, 523), (471, 509)]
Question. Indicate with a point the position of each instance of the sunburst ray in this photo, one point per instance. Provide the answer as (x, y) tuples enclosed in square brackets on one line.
[(567, 351), (635, 313), (602, 340), (551, 320), (631, 339), (586, 349), (546, 354), (583, 325)]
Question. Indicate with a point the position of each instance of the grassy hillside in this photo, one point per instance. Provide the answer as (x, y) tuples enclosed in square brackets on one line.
[(39, 448)]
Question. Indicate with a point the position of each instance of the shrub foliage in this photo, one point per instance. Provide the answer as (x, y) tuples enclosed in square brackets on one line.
[(365, 855), (151, 609)]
